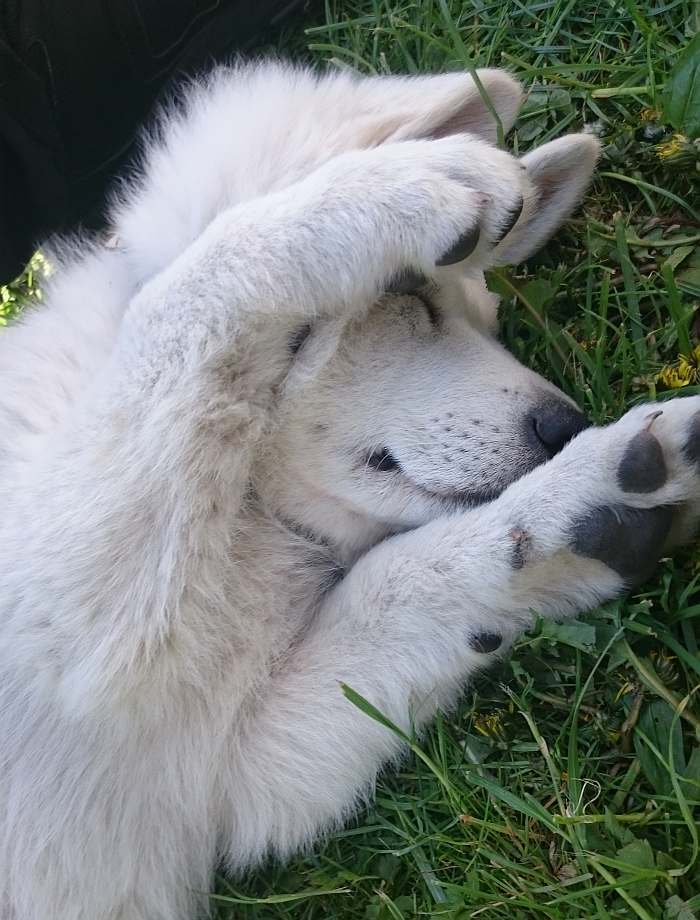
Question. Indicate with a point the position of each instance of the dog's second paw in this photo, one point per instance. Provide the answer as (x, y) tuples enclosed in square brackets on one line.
[(652, 454), (427, 203), (620, 495)]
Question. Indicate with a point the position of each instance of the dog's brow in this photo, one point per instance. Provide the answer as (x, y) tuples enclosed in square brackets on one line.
[(431, 309)]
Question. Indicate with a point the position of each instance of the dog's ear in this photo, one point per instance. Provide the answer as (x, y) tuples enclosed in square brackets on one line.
[(437, 106), (558, 173)]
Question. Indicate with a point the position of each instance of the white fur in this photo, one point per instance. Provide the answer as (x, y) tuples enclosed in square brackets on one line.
[(178, 493)]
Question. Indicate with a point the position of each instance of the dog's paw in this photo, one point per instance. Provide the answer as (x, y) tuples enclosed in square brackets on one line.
[(502, 184), (431, 202), (617, 494)]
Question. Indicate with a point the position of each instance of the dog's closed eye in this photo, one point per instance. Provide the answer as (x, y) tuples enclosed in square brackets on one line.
[(406, 282), (299, 337)]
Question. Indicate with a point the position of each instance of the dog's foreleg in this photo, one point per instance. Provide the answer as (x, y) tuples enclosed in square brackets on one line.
[(410, 623), (424, 609), (124, 513)]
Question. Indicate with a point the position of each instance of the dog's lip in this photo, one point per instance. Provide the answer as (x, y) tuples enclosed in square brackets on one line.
[(461, 498), (470, 498)]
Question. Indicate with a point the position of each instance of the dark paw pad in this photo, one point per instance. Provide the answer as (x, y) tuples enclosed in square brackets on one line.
[(464, 247), (691, 449), (642, 468), (628, 540), (485, 642)]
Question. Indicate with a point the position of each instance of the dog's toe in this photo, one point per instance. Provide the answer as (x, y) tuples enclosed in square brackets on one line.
[(691, 448), (642, 468)]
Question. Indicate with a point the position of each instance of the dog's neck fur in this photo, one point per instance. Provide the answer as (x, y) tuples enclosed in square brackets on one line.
[(309, 556), (296, 565), (315, 519)]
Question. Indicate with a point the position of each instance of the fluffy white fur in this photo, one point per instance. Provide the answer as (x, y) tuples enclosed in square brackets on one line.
[(180, 493)]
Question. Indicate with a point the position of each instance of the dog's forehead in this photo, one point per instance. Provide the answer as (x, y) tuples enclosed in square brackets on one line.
[(460, 301)]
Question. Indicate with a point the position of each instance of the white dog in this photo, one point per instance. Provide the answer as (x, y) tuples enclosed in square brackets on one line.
[(269, 443)]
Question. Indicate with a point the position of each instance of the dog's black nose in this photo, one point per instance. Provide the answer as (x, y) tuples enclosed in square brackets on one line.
[(555, 423)]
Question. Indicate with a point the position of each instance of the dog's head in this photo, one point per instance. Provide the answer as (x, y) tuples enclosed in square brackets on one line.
[(413, 408)]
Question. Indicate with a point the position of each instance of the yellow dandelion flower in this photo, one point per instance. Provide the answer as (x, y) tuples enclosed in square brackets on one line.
[(672, 378), (627, 687), (684, 372), (690, 363), (672, 147), (489, 725)]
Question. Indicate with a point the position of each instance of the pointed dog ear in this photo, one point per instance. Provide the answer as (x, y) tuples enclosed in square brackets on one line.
[(559, 174), (433, 107)]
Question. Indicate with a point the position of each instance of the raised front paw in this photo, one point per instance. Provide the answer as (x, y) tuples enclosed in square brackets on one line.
[(427, 202), (620, 495)]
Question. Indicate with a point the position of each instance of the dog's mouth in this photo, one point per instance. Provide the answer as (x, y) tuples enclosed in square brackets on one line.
[(472, 498), (384, 461)]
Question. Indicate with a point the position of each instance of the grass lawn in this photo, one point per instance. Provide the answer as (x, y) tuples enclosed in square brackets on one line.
[(567, 783)]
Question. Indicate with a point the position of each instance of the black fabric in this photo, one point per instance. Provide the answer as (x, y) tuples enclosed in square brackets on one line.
[(77, 80)]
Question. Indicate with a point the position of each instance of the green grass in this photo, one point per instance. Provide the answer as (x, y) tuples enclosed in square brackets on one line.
[(22, 292), (567, 783)]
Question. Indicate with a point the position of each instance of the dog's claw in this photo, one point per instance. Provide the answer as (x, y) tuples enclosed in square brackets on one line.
[(463, 248), (512, 220)]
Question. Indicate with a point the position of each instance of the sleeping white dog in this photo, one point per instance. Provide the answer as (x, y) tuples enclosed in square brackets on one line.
[(267, 444)]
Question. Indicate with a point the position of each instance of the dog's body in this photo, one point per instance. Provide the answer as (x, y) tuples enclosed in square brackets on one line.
[(206, 528)]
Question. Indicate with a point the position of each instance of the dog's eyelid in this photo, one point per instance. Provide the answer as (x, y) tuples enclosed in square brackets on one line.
[(299, 337)]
